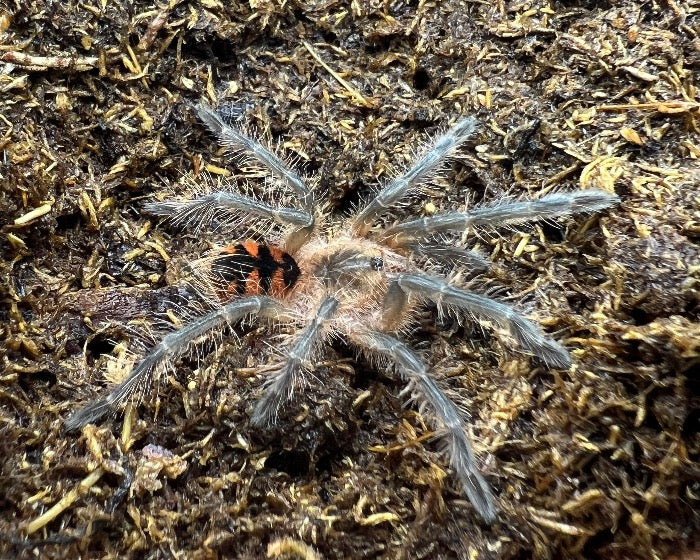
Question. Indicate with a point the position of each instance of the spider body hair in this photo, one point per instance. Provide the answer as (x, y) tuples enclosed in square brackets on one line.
[(345, 279)]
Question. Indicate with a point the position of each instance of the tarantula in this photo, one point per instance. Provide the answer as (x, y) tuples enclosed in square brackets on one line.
[(345, 278)]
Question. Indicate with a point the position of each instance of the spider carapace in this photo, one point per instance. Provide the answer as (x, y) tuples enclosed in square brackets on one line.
[(348, 277)]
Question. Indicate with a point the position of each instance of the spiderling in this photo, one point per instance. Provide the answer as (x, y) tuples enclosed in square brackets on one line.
[(347, 278)]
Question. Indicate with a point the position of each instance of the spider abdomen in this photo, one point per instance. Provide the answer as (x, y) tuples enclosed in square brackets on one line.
[(251, 268)]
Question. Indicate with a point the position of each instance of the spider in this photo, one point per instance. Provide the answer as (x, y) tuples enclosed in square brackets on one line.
[(345, 278)]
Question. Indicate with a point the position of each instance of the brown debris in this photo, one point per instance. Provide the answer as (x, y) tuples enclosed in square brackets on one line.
[(60, 62), (154, 461), (601, 461)]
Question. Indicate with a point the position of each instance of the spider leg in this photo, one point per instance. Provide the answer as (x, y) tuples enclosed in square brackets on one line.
[(204, 208), (454, 256), (343, 268), (281, 387), (423, 169), (547, 207), (424, 387), (525, 332), (169, 348), (229, 137)]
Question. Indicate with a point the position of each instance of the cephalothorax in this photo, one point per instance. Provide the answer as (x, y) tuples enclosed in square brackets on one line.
[(347, 279)]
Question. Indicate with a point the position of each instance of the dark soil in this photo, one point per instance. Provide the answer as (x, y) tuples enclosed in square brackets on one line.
[(96, 116)]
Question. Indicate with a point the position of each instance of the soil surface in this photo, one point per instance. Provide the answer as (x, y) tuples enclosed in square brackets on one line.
[(96, 117)]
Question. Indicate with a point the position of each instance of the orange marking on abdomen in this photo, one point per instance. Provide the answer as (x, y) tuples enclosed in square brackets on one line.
[(277, 285), (277, 254), (252, 284), (252, 247)]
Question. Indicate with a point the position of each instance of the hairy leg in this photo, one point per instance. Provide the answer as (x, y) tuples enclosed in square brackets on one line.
[(343, 269), (205, 208), (427, 391), (441, 292), (547, 207), (231, 138), (450, 255), (169, 348), (423, 169), (280, 388)]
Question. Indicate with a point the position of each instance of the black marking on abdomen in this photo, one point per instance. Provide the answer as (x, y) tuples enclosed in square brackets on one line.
[(290, 270), (233, 269), (267, 266)]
